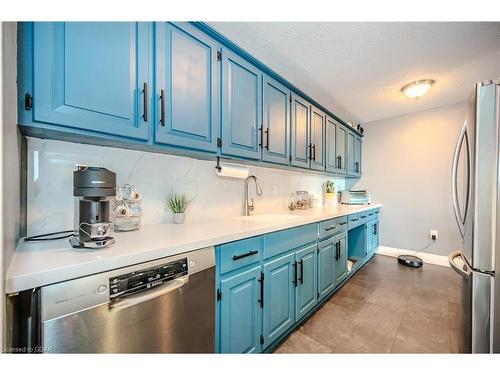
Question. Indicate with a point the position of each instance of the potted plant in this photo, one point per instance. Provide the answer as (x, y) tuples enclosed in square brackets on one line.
[(329, 193), (178, 204)]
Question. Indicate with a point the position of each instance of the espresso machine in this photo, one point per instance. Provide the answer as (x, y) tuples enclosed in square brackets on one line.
[(93, 187)]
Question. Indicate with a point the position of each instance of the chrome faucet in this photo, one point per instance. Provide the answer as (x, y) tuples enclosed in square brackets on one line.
[(249, 206)]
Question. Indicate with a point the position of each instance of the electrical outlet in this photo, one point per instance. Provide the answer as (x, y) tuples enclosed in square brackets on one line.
[(434, 234)]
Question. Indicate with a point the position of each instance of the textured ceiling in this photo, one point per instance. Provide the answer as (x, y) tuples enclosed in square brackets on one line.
[(356, 69)]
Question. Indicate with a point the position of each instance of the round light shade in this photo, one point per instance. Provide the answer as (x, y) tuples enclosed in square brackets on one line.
[(417, 89)]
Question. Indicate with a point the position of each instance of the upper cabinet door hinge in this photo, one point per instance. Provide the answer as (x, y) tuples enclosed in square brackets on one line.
[(219, 56), (219, 295), (28, 102), (219, 142)]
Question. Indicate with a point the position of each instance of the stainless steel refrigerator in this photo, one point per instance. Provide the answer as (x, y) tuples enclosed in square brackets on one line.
[(476, 202)]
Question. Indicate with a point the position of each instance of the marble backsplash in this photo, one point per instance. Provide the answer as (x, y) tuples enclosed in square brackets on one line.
[(50, 201)]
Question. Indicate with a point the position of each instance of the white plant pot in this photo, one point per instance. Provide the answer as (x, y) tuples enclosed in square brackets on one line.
[(179, 217)]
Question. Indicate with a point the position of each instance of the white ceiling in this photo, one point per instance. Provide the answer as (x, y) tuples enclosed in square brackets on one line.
[(356, 69)]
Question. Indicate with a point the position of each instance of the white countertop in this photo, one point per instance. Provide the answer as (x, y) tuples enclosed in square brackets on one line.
[(35, 264)]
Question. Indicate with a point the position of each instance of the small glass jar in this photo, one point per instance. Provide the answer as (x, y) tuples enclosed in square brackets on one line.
[(301, 200), (291, 203)]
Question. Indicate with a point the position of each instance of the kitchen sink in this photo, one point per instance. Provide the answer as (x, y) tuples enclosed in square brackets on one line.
[(268, 218)]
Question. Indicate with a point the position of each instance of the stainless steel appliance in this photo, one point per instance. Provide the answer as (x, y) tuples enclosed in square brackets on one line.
[(476, 202), (93, 186), (355, 197), (162, 306)]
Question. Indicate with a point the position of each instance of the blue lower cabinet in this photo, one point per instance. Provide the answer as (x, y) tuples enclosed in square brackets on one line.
[(279, 314), (240, 312), (187, 85), (306, 291), (326, 258), (340, 265), (372, 236), (89, 76), (375, 235)]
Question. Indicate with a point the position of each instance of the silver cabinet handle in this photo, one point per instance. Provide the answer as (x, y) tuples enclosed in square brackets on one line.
[(457, 262), (454, 183)]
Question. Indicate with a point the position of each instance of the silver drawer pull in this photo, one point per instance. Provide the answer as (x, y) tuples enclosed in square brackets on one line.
[(329, 229)]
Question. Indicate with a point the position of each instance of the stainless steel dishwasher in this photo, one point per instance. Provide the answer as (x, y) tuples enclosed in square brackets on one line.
[(162, 306)]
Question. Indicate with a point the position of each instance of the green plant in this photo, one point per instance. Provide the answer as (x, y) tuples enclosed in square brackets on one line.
[(329, 187), (178, 203)]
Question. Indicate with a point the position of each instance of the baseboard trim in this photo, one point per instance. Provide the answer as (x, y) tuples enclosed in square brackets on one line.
[(440, 260)]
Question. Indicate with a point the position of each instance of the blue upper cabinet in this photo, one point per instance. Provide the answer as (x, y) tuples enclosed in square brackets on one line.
[(279, 303), (300, 128), (275, 132), (92, 76), (350, 153), (341, 149), (307, 277), (317, 139), (357, 155), (353, 154), (241, 106), (187, 87), (330, 139), (240, 312)]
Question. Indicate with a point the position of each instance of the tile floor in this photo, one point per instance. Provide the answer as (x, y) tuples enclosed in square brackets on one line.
[(386, 308)]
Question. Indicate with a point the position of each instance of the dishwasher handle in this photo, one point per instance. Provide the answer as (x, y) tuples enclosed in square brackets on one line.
[(135, 299)]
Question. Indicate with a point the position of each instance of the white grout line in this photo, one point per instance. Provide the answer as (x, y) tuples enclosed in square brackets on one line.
[(440, 260)]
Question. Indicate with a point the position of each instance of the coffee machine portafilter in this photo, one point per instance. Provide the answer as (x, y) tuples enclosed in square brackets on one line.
[(93, 187)]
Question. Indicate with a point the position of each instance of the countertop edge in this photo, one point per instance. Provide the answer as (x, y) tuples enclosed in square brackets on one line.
[(18, 281)]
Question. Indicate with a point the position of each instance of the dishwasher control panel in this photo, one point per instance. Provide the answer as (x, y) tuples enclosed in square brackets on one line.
[(147, 278)]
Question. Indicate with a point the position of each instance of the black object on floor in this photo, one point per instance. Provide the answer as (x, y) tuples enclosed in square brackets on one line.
[(410, 261)]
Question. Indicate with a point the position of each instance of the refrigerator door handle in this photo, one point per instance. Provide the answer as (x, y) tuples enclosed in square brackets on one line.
[(454, 183), (457, 262)]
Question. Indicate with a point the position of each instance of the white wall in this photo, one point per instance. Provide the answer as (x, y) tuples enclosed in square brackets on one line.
[(50, 202), (10, 154), (407, 167)]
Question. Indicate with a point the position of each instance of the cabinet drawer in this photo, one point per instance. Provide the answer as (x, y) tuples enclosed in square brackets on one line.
[(332, 226), (241, 253), (371, 215), (353, 220), (327, 228), (288, 239), (363, 217)]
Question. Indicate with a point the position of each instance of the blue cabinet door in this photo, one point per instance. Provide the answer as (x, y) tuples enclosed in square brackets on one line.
[(275, 136), (350, 154), (369, 237), (187, 87), (240, 312), (326, 259), (357, 155), (278, 297), (376, 235), (300, 129), (340, 265), (341, 149), (317, 139), (330, 140), (91, 76), (306, 292), (241, 106)]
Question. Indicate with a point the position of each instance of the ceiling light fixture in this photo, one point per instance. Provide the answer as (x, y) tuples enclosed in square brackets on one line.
[(417, 89)]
